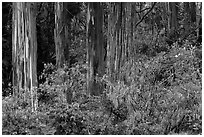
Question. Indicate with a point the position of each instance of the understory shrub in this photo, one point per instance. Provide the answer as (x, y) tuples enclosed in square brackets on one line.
[(157, 95), (162, 92)]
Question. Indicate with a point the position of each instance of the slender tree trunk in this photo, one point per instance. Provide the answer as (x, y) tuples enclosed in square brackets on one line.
[(199, 40), (199, 35), (24, 52), (193, 12), (62, 40), (164, 5), (190, 16), (173, 6), (187, 17), (120, 36), (95, 48), (61, 33)]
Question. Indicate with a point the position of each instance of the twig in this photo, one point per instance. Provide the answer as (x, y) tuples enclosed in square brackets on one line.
[(145, 14), (142, 10)]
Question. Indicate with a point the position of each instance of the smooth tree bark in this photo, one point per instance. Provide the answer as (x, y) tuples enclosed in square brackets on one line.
[(24, 52), (199, 24), (120, 47), (61, 34), (193, 17), (189, 17), (120, 38), (172, 31), (62, 41), (95, 48), (164, 6), (193, 12), (187, 20), (173, 20)]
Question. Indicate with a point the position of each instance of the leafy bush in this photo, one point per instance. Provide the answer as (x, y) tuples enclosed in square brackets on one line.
[(61, 82), (68, 121), (18, 120), (157, 95), (161, 92)]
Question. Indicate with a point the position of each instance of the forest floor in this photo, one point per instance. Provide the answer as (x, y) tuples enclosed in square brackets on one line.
[(158, 95)]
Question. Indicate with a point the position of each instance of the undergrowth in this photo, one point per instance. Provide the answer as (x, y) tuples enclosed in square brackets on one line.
[(156, 95)]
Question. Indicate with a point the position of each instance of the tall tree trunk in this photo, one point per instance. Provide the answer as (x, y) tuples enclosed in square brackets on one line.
[(61, 34), (62, 41), (187, 17), (199, 35), (199, 40), (120, 34), (193, 12), (173, 7), (95, 48), (165, 15), (24, 52), (190, 16)]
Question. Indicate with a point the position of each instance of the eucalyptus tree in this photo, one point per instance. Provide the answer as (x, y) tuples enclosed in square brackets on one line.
[(95, 47), (24, 52)]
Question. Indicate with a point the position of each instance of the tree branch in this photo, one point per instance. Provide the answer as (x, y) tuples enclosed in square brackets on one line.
[(145, 14), (142, 10)]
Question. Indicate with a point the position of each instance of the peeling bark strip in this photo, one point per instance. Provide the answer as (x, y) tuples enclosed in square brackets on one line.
[(95, 47), (24, 52)]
